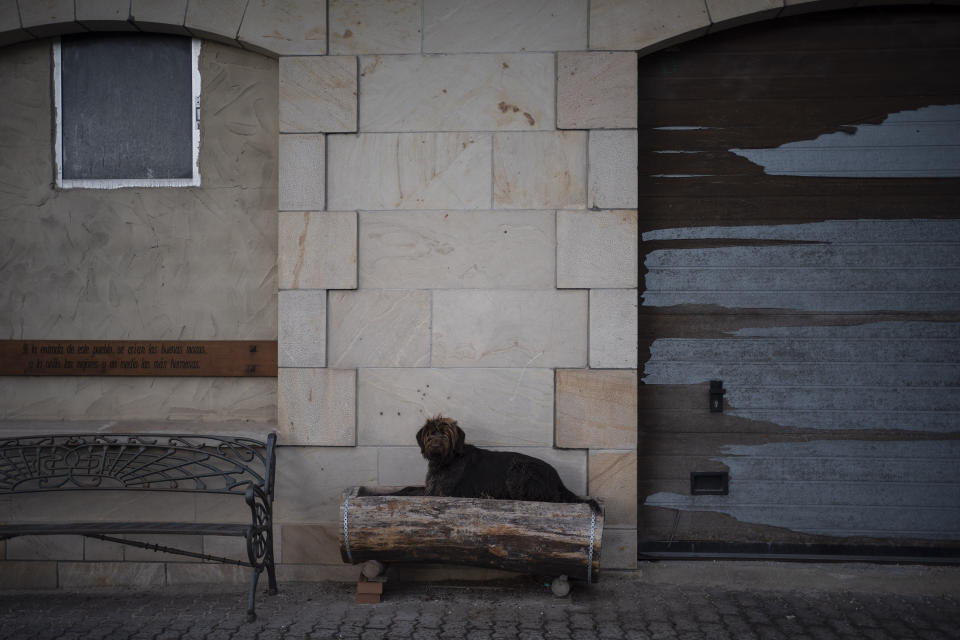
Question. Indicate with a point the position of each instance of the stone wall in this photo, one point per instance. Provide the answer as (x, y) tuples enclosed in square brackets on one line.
[(457, 233)]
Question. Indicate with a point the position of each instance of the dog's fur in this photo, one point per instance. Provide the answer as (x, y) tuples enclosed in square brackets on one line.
[(462, 470)]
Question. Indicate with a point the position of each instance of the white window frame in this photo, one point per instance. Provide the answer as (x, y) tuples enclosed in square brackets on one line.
[(119, 183)]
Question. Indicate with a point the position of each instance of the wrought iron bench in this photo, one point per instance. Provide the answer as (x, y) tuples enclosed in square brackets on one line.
[(230, 466)]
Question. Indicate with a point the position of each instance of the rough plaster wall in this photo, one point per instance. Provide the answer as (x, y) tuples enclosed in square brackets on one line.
[(160, 264)]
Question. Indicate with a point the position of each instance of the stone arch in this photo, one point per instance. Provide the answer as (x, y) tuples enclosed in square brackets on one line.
[(289, 29)]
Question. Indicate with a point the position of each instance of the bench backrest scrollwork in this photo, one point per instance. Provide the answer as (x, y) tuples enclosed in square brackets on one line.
[(158, 462)]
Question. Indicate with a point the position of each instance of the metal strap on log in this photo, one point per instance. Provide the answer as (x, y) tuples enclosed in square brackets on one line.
[(532, 537)]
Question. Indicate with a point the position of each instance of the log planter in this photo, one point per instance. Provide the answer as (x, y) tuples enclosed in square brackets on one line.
[(544, 538)]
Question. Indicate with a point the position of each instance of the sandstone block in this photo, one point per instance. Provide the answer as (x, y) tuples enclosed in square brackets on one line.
[(733, 13), (409, 171), (215, 19), (49, 18), (401, 466), (613, 169), (317, 407), (645, 25), (597, 249), (28, 575), (96, 15), (613, 328), (317, 250), (311, 543), (328, 472), (503, 25), (302, 340), (469, 92), (164, 17), (180, 573), (10, 29), (499, 407), (284, 27), (509, 328), (374, 26), (187, 543), (596, 90), (301, 172), (613, 477), (539, 170), (139, 398), (236, 548), (78, 575), (596, 409), (458, 250), (136, 506), (570, 464), (340, 572), (65, 547), (318, 94), (95, 550), (377, 328), (619, 549)]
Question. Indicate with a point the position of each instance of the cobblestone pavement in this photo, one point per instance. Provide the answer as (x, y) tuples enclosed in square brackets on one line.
[(524, 608)]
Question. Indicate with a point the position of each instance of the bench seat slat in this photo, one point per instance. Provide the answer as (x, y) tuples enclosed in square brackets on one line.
[(84, 528)]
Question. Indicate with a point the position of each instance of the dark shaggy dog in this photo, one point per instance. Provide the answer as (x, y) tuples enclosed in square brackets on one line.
[(462, 470)]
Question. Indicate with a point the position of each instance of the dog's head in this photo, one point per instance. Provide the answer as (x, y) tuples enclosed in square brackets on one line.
[(440, 439)]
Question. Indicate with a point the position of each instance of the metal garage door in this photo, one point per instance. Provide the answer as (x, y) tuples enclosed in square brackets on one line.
[(800, 221)]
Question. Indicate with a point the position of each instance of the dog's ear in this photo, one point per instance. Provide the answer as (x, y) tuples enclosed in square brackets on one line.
[(460, 437), (420, 436)]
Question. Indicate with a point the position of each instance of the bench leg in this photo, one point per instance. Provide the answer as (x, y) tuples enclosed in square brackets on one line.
[(251, 613), (271, 577)]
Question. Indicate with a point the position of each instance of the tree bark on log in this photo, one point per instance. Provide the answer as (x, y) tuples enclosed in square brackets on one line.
[(547, 538)]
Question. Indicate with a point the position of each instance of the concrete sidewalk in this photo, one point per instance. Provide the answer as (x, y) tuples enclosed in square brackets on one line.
[(707, 600)]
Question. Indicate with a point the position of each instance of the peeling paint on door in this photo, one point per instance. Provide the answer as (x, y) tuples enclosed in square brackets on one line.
[(839, 488), (921, 143)]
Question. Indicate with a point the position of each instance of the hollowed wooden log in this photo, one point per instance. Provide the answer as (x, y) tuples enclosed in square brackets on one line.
[(546, 538)]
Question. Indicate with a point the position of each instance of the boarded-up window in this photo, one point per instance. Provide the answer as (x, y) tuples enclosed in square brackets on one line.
[(126, 108)]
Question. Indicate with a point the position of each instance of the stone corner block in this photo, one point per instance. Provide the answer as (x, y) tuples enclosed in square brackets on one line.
[(539, 170), (597, 249), (613, 328), (317, 407), (301, 172), (613, 180), (327, 472), (317, 250), (375, 27), (318, 94), (302, 325), (311, 543), (378, 328), (284, 27), (28, 575), (215, 19), (619, 549), (613, 478), (596, 90), (645, 25), (596, 409)]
